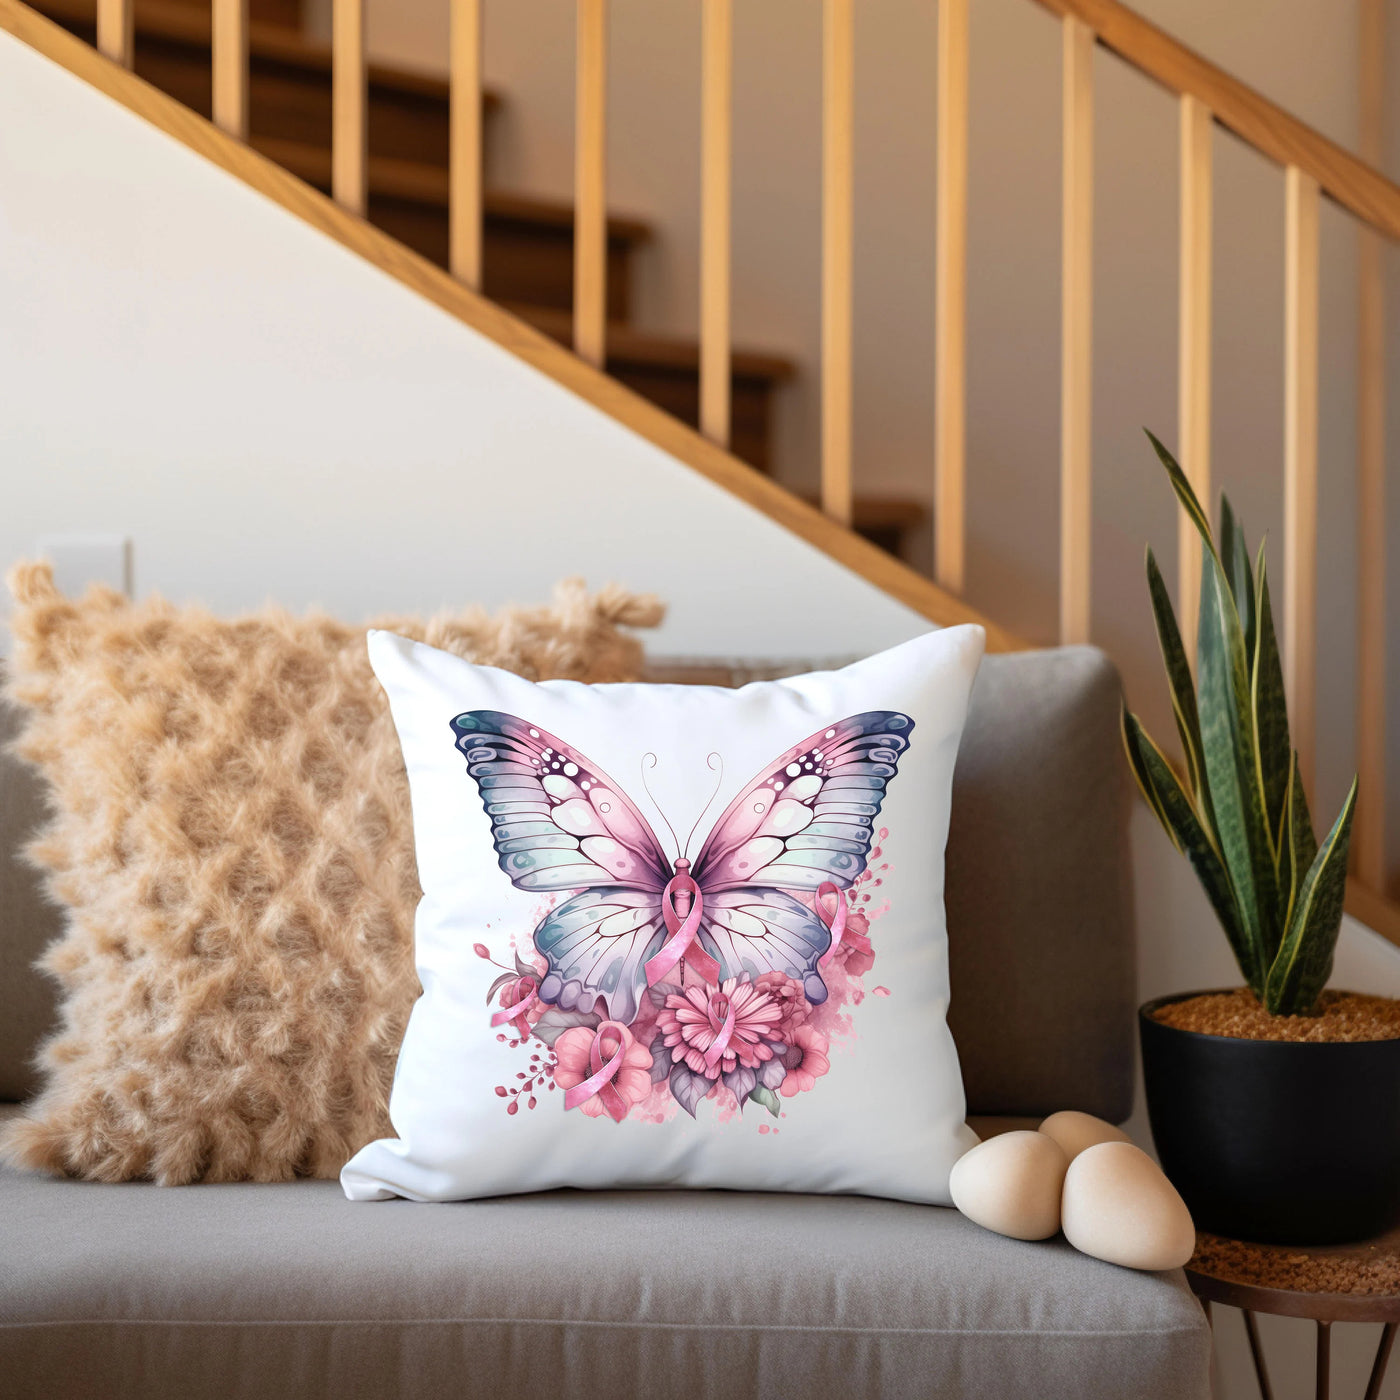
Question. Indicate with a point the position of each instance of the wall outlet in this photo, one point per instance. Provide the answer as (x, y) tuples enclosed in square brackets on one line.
[(81, 559)]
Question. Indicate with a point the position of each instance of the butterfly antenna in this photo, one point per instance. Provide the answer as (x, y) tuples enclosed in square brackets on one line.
[(716, 765), (650, 760)]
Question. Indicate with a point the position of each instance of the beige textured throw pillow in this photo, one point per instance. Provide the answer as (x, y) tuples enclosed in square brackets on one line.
[(231, 841)]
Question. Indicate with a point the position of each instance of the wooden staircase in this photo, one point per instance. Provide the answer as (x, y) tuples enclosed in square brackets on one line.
[(528, 243), (525, 299)]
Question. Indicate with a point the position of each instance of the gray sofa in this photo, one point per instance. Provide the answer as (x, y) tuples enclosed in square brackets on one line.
[(266, 1292)]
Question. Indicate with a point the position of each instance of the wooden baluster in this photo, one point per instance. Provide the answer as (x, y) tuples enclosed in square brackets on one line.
[(116, 32), (1368, 841), (950, 301), (590, 184), (229, 51), (349, 152), (1300, 464), (1193, 353), (716, 146), (838, 148), (1076, 332), (464, 148)]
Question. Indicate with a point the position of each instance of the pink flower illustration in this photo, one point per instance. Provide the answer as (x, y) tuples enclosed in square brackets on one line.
[(855, 953), (713, 1030), (792, 1003), (806, 1061), (519, 992), (628, 1085)]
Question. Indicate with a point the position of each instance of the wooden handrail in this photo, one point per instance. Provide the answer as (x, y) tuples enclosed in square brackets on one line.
[(1353, 184)]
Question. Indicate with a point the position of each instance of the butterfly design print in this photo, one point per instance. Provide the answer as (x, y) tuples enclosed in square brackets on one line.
[(765, 894)]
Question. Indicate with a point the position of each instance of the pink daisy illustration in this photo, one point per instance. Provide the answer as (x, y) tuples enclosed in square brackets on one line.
[(713, 1030)]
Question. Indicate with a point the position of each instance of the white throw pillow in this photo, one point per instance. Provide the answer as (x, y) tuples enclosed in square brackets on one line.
[(678, 935)]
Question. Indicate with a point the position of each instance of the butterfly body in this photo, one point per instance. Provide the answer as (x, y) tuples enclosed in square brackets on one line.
[(635, 916)]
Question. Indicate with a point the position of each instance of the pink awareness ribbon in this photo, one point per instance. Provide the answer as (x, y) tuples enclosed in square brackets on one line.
[(836, 921), (600, 1082), (683, 941), (722, 1023), (516, 1012)]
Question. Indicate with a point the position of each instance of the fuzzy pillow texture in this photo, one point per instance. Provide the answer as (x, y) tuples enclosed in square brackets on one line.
[(232, 841)]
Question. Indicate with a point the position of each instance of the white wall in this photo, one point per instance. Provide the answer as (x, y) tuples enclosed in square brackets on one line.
[(1301, 53), (268, 416)]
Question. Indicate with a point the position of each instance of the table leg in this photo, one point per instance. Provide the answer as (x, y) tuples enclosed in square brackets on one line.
[(1373, 1388), (1324, 1360), (1261, 1371)]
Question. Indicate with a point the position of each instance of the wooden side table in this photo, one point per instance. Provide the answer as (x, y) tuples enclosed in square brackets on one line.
[(1337, 1283)]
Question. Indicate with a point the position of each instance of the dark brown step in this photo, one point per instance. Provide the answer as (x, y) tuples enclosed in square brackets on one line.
[(289, 79), (666, 370), (528, 244), (885, 520)]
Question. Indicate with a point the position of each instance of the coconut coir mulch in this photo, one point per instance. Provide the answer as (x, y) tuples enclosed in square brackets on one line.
[(1340, 1016), (1372, 1270)]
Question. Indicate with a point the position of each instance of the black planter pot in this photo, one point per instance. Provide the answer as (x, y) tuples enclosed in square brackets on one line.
[(1285, 1142)]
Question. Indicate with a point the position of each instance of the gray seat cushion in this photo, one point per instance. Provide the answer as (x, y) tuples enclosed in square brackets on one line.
[(267, 1292)]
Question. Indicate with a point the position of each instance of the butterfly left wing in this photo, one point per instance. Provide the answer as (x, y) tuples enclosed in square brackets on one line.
[(810, 816), (808, 819)]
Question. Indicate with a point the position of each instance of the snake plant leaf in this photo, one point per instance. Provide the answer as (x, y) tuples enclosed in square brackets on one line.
[(1299, 848), (1173, 807), (1184, 493), (1304, 961), (1227, 738), (1274, 755), (1234, 554), (1135, 744), (1188, 723)]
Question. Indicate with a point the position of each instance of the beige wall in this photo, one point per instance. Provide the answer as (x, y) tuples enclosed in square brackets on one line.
[(1299, 52)]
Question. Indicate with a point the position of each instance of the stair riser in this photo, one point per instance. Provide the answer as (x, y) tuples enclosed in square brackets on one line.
[(288, 103), (520, 262)]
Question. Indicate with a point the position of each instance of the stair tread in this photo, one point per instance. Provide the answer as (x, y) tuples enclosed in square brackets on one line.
[(880, 512), (425, 183), (628, 345), (190, 24)]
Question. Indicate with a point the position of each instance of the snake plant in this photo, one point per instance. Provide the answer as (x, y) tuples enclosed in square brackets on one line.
[(1240, 815)]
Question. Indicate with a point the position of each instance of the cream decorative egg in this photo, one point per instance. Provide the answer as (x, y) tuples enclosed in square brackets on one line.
[(1075, 1131), (1012, 1184), (1119, 1206)]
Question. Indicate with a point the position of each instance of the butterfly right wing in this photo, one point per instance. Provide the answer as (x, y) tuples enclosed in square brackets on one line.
[(557, 820)]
